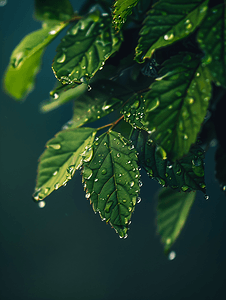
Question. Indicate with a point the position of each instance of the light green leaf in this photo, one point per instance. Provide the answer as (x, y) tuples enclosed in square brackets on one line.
[(62, 95), (85, 48), (212, 39), (18, 82), (185, 174), (49, 10), (177, 104), (102, 98), (172, 213), (134, 110), (112, 180), (25, 60), (122, 9), (167, 22), (63, 156)]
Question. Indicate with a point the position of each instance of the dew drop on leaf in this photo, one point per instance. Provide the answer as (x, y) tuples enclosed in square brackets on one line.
[(103, 171), (62, 58), (87, 195), (54, 146), (169, 36), (87, 173)]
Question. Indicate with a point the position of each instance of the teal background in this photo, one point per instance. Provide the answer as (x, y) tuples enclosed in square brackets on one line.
[(64, 251)]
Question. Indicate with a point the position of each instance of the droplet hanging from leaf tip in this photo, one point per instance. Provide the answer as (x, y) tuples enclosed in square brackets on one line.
[(172, 255), (41, 204)]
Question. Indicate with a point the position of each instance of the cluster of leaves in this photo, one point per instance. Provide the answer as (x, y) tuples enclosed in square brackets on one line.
[(160, 67)]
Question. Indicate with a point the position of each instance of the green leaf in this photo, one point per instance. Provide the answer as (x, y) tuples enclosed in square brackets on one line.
[(18, 82), (63, 156), (52, 10), (167, 22), (85, 48), (172, 212), (134, 110), (185, 174), (112, 180), (177, 104), (101, 99), (122, 9), (62, 95), (212, 38), (25, 60)]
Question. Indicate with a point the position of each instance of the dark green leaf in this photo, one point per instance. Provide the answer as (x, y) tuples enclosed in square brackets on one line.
[(62, 95), (133, 111), (185, 174), (112, 180), (101, 99), (63, 156), (172, 212), (177, 104), (122, 9), (25, 60), (212, 38), (167, 22), (53, 10), (85, 48)]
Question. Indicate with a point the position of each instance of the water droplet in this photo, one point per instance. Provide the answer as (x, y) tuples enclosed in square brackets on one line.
[(88, 155), (206, 197), (54, 146), (87, 173), (131, 183), (118, 155), (185, 136), (224, 188), (55, 96), (104, 172), (178, 93), (168, 241), (71, 170), (172, 255), (55, 173), (190, 100), (56, 186), (87, 195), (108, 206), (41, 204), (153, 104), (138, 199), (169, 36), (61, 58), (184, 188)]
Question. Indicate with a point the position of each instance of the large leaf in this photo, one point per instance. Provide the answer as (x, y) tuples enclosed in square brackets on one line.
[(185, 174), (167, 22), (122, 9), (62, 95), (104, 97), (177, 103), (25, 60), (172, 212), (63, 156), (85, 48), (212, 38), (112, 180), (49, 10)]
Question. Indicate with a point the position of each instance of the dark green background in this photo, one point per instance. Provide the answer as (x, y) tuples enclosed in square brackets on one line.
[(64, 251)]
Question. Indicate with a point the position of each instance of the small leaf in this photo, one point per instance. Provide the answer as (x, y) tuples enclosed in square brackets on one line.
[(85, 48), (122, 9), (185, 174), (177, 104), (112, 180), (63, 156), (49, 10), (133, 111), (167, 22), (102, 98), (62, 95), (172, 213), (25, 60), (212, 39)]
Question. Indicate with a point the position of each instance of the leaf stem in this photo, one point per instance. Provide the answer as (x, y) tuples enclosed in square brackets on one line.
[(116, 122), (102, 127)]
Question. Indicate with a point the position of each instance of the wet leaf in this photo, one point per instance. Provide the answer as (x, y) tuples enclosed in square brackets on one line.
[(85, 48), (25, 60), (212, 39), (134, 110), (172, 212), (49, 10), (167, 22), (177, 104), (122, 9), (63, 156), (185, 174), (112, 180)]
